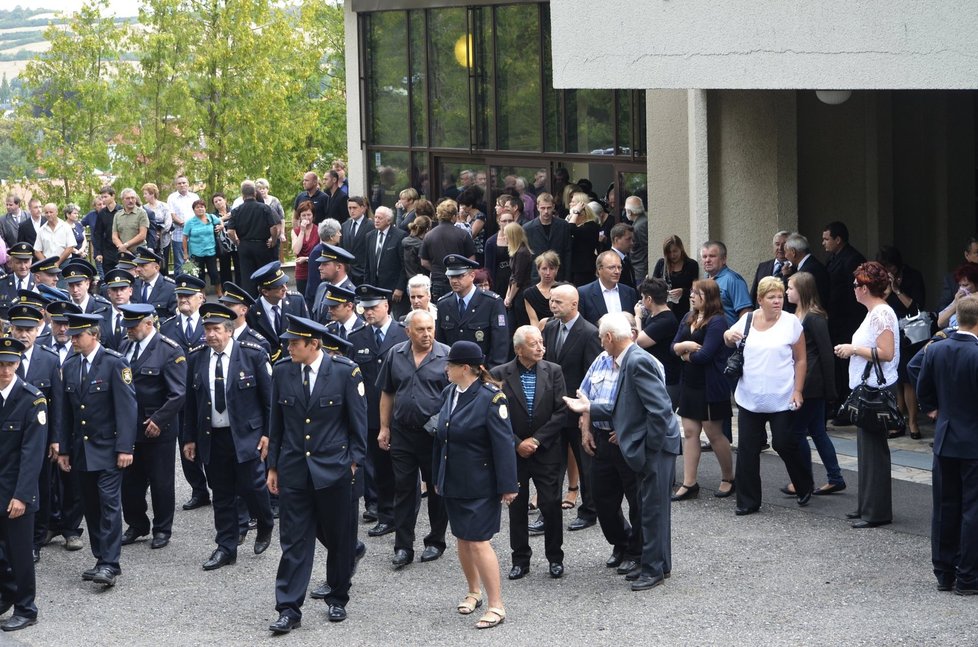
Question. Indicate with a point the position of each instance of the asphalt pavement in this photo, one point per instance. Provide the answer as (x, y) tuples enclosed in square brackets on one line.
[(784, 576)]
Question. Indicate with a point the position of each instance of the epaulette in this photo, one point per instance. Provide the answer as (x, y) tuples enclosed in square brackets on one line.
[(257, 335), (47, 349), (343, 359), (196, 348), (111, 352), (169, 280), (283, 360), (34, 391), (445, 296), (293, 293), (489, 293), (168, 319), (493, 388), (167, 340), (98, 298), (251, 345)]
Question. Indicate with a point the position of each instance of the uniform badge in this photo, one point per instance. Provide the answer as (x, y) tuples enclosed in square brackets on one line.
[(127, 375), (502, 321), (479, 335), (503, 411), (360, 389), (42, 417)]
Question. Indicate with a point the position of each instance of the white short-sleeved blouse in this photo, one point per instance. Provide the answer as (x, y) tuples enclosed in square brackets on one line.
[(877, 321), (769, 365)]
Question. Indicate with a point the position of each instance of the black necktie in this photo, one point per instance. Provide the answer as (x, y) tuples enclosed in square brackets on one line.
[(354, 234), (278, 320), (188, 332), (461, 307), (21, 370), (118, 325), (84, 371), (307, 380), (135, 353), (220, 398), (379, 335), (145, 296)]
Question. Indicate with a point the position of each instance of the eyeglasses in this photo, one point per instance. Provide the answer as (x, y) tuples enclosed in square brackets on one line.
[(857, 284)]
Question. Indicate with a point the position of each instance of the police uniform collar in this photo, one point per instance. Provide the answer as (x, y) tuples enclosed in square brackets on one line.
[(467, 297), (385, 328), (90, 358), (10, 387), (317, 363)]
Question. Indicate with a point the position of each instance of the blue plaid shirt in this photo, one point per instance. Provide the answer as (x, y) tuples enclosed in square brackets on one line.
[(600, 384), (528, 378)]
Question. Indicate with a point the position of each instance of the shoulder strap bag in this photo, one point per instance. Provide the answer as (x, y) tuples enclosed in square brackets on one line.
[(873, 408)]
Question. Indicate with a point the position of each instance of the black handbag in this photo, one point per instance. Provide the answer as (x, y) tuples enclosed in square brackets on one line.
[(735, 363), (871, 407)]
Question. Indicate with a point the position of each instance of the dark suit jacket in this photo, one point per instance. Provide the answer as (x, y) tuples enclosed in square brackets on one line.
[(293, 304), (591, 302), (845, 313), (549, 410), (765, 268), (249, 391), (26, 232), (948, 382), (357, 270), (320, 436), (558, 241), (44, 374), (641, 414), (389, 274), (23, 434), (821, 275), (578, 352), (366, 354), (163, 296), (160, 377)]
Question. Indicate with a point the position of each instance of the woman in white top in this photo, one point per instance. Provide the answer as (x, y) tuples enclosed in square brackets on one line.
[(879, 330), (770, 389)]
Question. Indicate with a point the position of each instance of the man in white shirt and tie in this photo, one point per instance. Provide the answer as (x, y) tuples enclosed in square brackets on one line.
[(20, 258), (119, 284)]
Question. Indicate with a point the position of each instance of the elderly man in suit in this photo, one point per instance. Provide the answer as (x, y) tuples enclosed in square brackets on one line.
[(607, 293), (648, 435), (571, 341), (385, 265), (535, 390), (947, 388), (800, 259), (772, 266)]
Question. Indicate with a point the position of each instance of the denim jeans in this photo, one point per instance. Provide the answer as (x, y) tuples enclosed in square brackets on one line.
[(810, 421)]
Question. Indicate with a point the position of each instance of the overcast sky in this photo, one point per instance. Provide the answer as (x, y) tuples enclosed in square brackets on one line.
[(119, 7)]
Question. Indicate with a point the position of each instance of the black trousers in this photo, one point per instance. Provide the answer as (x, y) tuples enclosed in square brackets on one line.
[(548, 479), (252, 255), (954, 525), (379, 479), (572, 439), (306, 512), (753, 435), (230, 267), (208, 264), (875, 484), (102, 500), (17, 585), (45, 488), (193, 471), (410, 454), (68, 507), (229, 478), (613, 480), (152, 467)]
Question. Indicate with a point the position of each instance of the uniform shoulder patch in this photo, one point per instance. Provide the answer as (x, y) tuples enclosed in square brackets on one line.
[(499, 398), (250, 344), (488, 293), (355, 372), (127, 375), (196, 349), (257, 335), (344, 360), (169, 280), (46, 349)]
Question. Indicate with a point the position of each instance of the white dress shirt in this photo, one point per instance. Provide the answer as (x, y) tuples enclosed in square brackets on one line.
[(218, 418), (612, 300)]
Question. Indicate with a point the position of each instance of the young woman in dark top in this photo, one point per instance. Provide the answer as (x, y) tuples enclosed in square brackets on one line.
[(584, 240), (679, 271), (536, 298), (520, 261), (658, 326), (497, 255)]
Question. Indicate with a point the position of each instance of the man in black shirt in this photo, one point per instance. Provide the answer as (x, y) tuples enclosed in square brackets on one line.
[(311, 192), (252, 225), (442, 241), (336, 207), (106, 253)]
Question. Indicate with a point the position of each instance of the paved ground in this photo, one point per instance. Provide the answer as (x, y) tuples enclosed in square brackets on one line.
[(785, 576)]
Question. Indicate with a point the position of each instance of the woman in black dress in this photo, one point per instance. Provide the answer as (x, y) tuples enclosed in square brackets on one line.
[(520, 260), (584, 240), (497, 255), (474, 470), (536, 298), (679, 271)]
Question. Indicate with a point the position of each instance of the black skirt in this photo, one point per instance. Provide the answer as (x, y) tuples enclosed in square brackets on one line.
[(693, 405), (474, 519)]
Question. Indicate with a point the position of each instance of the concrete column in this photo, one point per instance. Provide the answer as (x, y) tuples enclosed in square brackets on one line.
[(356, 164)]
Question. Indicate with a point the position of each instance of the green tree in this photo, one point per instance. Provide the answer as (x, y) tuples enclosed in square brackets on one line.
[(67, 114), (5, 94)]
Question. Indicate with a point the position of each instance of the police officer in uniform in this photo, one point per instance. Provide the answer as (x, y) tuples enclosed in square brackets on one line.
[(159, 370), (23, 434), (343, 318), (228, 392), (118, 289), (267, 315), (98, 438), (46, 272), (186, 329), (240, 301), (471, 313), (151, 286), (78, 274), (40, 367), (333, 263), (318, 432), (369, 347), (20, 257)]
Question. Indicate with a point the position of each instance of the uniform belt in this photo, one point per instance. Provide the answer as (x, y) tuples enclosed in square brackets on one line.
[(220, 429)]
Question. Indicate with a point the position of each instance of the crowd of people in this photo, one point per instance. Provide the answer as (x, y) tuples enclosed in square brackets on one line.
[(434, 343)]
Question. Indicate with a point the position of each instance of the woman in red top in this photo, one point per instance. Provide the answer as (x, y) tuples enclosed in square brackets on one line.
[(305, 236)]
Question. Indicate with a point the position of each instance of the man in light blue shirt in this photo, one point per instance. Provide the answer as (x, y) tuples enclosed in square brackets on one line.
[(733, 288)]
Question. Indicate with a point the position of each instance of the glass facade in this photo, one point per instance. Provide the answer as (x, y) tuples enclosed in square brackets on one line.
[(459, 89)]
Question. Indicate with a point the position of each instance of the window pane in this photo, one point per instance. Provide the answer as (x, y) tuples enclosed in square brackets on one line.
[(419, 82), (389, 174), (420, 176), (535, 179), (639, 142), (450, 55), (483, 106), (624, 121), (518, 77), (590, 121), (387, 77), (552, 138)]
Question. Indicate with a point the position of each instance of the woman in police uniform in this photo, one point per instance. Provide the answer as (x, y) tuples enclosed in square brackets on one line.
[(475, 471)]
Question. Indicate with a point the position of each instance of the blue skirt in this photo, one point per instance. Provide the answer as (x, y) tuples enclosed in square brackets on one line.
[(474, 519)]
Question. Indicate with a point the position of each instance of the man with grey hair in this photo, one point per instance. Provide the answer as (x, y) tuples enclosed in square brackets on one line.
[(639, 256), (798, 253), (130, 225), (647, 431), (772, 266), (252, 226), (385, 259), (419, 294)]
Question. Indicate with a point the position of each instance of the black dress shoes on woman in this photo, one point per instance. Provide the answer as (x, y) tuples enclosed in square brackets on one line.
[(284, 624), (692, 491), (723, 494)]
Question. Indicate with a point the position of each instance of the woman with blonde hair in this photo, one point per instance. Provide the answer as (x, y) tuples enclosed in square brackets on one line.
[(584, 239), (520, 264), (536, 298)]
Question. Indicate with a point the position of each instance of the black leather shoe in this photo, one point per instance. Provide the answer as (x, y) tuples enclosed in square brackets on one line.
[(431, 553), (89, 575), (742, 512), (262, 540), (646, 581), (945, 583), (401, 558), (626, 566), (104, 576), (336, 613), (536, 527), (218, 559), (853, 515), (15, 623), (130, 536), (869, 524), (160, 540), (358, 554), (369, 514), (252, 524), (556, 570), (634, 574), (321, 592), (380, 530), (580, 524), (805, 499), (965, 590), (829, 488), (242, 537), (284, 624), (196, 502), (37, 556), (518, 572), (616, 558), (692, 491)]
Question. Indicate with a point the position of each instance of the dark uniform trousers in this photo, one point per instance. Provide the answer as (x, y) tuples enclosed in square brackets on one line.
[(152, 467), (193, 471), (411, 451), (299, 529), (101, 498), (66, 504), (229, 478), (571, 437), (547, 477), (379, 479), (954, 523), (17, 584), (612, 479)]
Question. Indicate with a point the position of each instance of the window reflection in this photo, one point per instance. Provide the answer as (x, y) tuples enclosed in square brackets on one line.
[(449, 79), (387, 74), (518, 77)]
